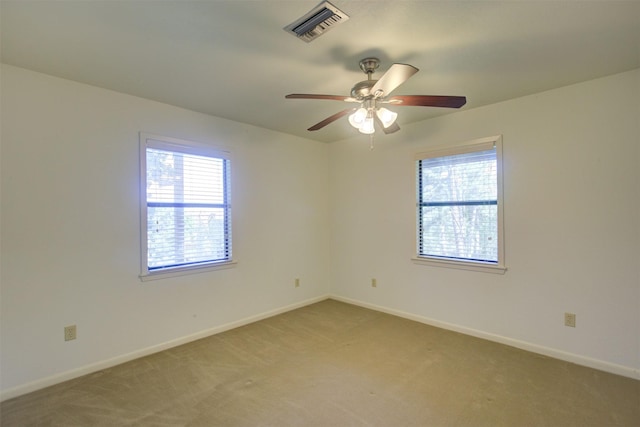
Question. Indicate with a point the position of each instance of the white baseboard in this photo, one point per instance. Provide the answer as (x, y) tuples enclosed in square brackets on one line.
[(95, 367), (534, 348), (601, 365)]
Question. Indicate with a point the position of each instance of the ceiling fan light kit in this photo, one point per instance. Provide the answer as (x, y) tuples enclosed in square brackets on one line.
[(370, 94), (363, 118)]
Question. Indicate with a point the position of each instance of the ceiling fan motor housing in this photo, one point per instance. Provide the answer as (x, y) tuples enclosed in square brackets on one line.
[(362, 89)]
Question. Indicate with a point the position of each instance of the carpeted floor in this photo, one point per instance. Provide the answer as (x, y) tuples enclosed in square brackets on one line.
[(334, 364)]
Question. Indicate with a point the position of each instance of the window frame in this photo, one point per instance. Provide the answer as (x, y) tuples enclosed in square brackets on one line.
[(147, 140), (480, 144)]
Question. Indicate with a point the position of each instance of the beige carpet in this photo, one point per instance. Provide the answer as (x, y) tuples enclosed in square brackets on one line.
[(334, 364)]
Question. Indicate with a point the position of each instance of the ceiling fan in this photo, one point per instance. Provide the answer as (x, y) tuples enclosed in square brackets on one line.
[(373, 94)]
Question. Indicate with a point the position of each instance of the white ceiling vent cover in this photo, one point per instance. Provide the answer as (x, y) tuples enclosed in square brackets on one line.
[(318, 21)]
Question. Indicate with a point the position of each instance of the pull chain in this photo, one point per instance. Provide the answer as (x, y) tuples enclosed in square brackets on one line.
[(371, 142)]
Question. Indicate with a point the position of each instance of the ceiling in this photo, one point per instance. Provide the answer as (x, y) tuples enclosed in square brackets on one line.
[(232, 58)]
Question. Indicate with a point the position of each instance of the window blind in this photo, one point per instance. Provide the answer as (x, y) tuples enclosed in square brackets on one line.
[(188, 211), (458, 206)]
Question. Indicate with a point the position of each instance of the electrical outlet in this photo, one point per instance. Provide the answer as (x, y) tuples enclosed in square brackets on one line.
[(297, 282), (374, 283), (70, 333), (570, 320)]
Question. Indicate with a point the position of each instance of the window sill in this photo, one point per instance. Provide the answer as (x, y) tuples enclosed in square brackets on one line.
[(184, 271), (461, 265)]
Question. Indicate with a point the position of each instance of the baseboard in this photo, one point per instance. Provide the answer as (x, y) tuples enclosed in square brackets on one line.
[(534, 348), (95, 367), (577, 359)]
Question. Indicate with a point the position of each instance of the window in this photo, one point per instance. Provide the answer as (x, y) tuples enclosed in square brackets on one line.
[(185, 207), (459, 207)]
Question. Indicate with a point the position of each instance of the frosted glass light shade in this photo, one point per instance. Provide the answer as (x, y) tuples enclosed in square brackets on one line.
[(367, 126), (356, 119), (387, 117)]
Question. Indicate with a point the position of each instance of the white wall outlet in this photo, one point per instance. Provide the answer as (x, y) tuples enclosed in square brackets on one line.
[(374, 283), (70, 333), (297, 282), (570, 320)]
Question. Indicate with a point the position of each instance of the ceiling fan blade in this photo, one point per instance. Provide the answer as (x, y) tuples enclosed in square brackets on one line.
[(394, 77), (312, 96), (428, 101), (331, 119), (387, 130)]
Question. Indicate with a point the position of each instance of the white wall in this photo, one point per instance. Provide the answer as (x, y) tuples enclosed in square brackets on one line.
[(70, 229), (572, 225)]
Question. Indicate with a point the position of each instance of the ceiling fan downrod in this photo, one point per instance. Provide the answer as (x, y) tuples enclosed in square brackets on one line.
[(362, 90), (369, 66)]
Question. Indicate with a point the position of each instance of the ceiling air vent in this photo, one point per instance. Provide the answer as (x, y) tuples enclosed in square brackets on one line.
[(318, 21)]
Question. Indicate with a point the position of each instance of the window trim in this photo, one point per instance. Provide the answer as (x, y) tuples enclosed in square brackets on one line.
[(147, 140), (479, 144)]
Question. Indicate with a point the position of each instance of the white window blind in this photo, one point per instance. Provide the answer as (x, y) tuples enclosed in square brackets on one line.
[(458, 204), (187, 207)]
